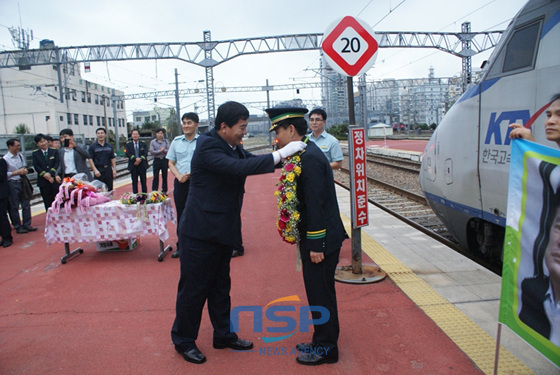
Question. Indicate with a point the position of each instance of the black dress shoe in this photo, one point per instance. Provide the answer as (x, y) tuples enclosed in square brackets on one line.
[(313, 359), (30, 228), (237, 253), (302, 346), (7, 243), (192, 355), (21, 230), (238, 344)]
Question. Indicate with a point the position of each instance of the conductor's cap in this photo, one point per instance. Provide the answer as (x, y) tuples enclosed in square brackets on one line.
[(278, 114)]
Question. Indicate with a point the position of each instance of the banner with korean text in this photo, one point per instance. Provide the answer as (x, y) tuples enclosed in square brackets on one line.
[(358, 178), (530, 297)]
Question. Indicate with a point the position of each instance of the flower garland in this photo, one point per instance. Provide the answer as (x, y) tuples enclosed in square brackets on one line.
[(288, 215)]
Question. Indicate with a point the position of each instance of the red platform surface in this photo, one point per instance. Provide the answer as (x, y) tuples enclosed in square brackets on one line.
[(111, 313)]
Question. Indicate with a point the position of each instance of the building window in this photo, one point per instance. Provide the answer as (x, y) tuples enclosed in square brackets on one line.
[(96, 99), (98, 121), (138, 118), (110, 121), (76, 119), (85, 119), (74, 98), (61, 118), (91, 120), (83, 96), (88, 97)]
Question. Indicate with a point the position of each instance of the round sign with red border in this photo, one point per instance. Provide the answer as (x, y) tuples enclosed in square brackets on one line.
[(349, 46)]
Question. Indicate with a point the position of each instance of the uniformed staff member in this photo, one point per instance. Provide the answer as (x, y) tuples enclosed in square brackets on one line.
[(102, 159), (321, 233), (326, 142)]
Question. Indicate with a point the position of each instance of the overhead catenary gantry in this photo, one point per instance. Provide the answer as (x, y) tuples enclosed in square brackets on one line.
[(209, 54)]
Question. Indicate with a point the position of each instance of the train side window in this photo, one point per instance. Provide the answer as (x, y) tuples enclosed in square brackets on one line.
[(521, 48)]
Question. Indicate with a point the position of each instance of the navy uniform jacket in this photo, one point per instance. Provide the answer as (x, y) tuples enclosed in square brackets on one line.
[(213, 209), (320, 227), (44, 165), (142, 153)]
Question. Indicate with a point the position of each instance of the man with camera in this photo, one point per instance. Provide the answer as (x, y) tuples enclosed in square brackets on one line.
[(17, 168), (73, 158)]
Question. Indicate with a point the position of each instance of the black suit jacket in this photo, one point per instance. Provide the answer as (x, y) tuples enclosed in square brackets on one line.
[(43, 165), (143, 154), (318, 205), (213, 209), (3, 179)]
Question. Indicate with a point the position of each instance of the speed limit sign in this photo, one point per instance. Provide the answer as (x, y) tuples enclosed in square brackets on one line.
[(349, 46)]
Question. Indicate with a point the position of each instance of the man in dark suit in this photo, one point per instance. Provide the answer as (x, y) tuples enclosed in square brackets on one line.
[(46, 162), (73, 158), (321, 233), (5, 227), (210, 225), (136, 152)]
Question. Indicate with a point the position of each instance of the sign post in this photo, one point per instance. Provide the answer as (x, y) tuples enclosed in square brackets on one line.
[(351, 49)]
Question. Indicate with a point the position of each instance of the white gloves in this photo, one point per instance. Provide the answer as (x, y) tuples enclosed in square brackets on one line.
[(291, 148)]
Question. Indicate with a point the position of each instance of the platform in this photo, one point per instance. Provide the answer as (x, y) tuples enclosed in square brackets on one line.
[(436, 313)]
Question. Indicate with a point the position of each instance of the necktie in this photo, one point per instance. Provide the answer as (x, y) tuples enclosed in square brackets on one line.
[(46, 154), (136, 149)]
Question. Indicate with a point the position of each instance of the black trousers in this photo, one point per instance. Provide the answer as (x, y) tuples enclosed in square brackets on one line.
[(180, 195), (204, 277), (319, 286), (49, 193), (134, 174), (106, 176), (160, 165), (5, 227)]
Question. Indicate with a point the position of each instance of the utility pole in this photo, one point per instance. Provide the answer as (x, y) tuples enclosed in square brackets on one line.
[(178, 109)]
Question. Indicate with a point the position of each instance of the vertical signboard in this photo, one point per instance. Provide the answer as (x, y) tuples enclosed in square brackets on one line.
[(358, 178)]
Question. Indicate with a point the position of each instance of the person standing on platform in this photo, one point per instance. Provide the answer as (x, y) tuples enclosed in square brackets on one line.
[(137, 154), (321, 233), (179, 156), (551, 124), (158, 148), (17, 168), (46, 162), (210, 226), (73, 158), (326, 142), (102, 159), (5, 228)]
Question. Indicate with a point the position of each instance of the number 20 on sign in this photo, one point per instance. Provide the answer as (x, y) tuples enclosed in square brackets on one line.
[(349, 46), (359, 178)]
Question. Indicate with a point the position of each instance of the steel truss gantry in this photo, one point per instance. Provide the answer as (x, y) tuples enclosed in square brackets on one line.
[(209, 54)]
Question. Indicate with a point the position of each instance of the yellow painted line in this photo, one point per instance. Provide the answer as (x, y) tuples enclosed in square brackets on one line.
[(478, 345)]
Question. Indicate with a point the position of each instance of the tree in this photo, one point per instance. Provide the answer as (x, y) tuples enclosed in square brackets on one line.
[(22, 129), (339, 131)]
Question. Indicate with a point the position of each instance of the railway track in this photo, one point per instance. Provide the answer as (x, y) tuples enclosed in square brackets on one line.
[(409, 207)]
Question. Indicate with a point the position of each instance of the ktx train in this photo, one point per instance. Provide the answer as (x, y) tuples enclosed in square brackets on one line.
[(465, 165)]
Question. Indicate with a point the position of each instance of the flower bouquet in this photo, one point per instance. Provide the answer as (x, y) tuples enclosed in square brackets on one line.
[(141, 200), (77, 193)]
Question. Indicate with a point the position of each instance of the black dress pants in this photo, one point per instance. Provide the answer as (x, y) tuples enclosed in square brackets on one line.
[(320, 288), (204, 277), (134, 174)]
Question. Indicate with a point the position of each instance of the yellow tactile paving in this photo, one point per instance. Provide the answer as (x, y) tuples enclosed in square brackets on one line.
[(469, 337)]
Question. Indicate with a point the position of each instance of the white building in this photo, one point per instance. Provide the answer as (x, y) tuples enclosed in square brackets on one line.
[(32, 97)]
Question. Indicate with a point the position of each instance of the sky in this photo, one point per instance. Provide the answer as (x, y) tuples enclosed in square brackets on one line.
[(71, 23)]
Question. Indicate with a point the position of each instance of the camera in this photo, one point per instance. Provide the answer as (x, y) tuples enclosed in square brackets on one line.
[(67, 142), (30, 170)]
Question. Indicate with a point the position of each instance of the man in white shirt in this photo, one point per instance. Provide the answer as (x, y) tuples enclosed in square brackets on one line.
[(326, 142), (17, 167)]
